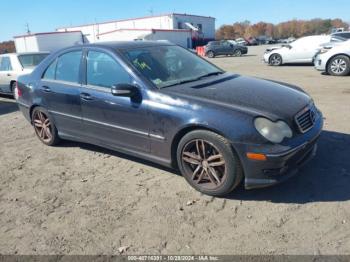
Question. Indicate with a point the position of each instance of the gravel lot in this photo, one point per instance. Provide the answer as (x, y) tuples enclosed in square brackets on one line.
[(81, 199)]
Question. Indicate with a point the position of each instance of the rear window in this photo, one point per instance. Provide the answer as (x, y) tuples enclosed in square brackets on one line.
[(32, 60)]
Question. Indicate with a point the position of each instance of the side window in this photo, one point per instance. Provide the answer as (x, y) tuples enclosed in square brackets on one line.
[(50, 71), (5, 64), (68, 66), (103, 70)]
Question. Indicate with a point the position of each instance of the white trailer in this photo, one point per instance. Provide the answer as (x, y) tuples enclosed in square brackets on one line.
[(176, 36), (47, 42), (201, 27)]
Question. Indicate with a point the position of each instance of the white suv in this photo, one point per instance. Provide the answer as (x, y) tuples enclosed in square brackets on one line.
[(13, 65), (301, 50), (335, 60)]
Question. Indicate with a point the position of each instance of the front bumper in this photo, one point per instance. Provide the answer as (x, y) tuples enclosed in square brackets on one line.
[(282, 161), (319, 63), (266, 57)]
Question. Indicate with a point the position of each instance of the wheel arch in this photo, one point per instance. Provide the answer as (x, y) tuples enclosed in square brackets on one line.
[(31, 109), (329, 59)]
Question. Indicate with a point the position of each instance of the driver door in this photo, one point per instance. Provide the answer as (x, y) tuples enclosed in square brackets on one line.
[(116, 121)]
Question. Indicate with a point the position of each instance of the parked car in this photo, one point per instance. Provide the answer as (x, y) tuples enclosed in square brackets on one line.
[(224, 47), (13, 65), (265, 40), (302, 50), (251, 41), (340, 36), (160, 102), (335, 60), (241, 41)]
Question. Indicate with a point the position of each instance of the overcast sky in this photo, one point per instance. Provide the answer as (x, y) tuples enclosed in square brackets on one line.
[(47, 15)]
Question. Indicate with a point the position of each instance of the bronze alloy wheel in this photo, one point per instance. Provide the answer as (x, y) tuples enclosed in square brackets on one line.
[(204, 163), (42, 126)]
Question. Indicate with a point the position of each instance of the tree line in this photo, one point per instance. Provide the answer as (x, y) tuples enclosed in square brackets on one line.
[(293, 28), (7, 47)]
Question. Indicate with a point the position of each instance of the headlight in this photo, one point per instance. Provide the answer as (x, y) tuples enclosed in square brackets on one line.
[(272, 131), (325, 50)]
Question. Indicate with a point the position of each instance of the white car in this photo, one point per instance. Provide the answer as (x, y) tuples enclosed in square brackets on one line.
[(301, 50), (335, 60), (13, 65)]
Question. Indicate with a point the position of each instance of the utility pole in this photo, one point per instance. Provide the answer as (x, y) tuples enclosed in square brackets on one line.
[(27, 29)]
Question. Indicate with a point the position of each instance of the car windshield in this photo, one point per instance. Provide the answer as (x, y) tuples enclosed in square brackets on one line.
[(170, 65), (31, 60)]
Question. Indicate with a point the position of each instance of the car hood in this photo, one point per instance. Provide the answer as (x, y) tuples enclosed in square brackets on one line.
[(255, 96), (274, 48)]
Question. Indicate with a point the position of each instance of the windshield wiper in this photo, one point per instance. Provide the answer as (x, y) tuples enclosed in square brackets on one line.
[(210, 74), (195, 79)]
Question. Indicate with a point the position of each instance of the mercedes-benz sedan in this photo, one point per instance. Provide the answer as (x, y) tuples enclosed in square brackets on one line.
[(160, 102)]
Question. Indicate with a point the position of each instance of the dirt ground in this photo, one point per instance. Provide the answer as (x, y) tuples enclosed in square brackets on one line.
[(81, 199)]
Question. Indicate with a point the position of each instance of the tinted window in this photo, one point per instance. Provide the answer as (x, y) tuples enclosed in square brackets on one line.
[(28, 61), (5, 64), (344, 35), (50, 71), (103, 70), (68, 66)]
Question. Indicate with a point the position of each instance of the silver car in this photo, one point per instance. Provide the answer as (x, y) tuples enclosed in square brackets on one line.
[(13, 65)]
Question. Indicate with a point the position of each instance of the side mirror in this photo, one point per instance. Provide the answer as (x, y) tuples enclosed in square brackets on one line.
[(126, 90)]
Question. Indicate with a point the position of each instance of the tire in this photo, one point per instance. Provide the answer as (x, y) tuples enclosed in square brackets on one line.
[(210, 54), (197, 167), (237, 52), (339, 66), (275, 60), (13, 89), (44, 126)]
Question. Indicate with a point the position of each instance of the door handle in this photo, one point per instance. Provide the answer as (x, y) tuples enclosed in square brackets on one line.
[(46, 89), (86, 96), (8, 74)]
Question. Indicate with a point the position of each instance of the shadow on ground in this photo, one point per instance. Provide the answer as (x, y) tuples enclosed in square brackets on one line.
[(7, 107), (324, 179), (103, 150)]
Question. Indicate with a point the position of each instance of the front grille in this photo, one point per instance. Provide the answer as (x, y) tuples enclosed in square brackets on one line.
[(306, 118)]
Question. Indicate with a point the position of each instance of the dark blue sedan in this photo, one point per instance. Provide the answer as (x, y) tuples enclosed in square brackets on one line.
[(160, 102)]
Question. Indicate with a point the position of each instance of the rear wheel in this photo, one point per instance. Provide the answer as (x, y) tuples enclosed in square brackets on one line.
[(44, 127), (339, 66), (210, 54), (275, 60), (208, 163), (13, 89), (237, 52)]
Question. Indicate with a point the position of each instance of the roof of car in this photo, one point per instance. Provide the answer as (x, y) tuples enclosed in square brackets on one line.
[(129, 44)]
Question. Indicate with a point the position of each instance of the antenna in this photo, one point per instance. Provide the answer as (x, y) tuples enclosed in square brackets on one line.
[(27, 29), (151, 11)]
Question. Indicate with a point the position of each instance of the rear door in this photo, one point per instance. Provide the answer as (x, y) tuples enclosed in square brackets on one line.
[(60, 89), (115, 121), (6, 72)]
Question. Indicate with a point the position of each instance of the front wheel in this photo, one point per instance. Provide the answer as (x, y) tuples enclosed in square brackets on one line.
[(339, 66), (44, 127), (208, 163), (210, 54), (275, 60)]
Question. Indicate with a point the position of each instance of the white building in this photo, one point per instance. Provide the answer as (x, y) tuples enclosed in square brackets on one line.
[(180, 29), (50, 41)]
